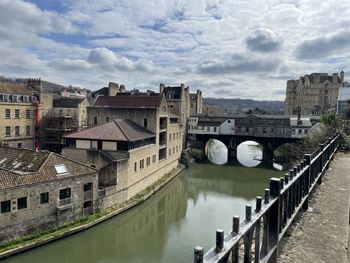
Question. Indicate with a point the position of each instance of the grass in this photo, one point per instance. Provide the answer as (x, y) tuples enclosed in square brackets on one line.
[(64, 228)]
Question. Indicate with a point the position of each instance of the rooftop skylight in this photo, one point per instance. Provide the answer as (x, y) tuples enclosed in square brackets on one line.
[(60, 169)]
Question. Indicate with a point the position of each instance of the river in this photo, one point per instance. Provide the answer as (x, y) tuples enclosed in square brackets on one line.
[(165, 228)]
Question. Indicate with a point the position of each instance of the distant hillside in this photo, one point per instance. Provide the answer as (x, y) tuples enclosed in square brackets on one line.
[(47, 86), (268, 105)]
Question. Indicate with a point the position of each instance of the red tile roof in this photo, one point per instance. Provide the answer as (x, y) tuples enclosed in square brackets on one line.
[(116, 130), (12, 177), (127, 101)]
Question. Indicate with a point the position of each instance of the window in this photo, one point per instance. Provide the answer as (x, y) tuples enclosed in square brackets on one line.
[(25, 98), (16, 113), (169, 152), (27, 114), (60, 112), (19, 145), (264, 130), (8, 131), (208, 128), (65, 193), (107, 119), (229, 121), (214, 129), (177, 148), (145, 122), (22, 203), (306, 131), (300, 131), (142, 163), (148, 161), (60, 168), (170, 136), (5, 206), (154, 158), (44, 198), (95, 120), (174, 150), (246, 129), (17, 131), (27, 130), (14, 98), (87, 187), (7, 113), (135, 167)]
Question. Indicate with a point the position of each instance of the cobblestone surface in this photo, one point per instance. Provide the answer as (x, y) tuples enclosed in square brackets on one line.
[(321, 233)]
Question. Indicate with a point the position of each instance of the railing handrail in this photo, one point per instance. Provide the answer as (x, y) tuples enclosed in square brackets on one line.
[(282, 201)]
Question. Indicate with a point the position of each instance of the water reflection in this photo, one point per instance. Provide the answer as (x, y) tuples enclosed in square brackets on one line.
[(216, 152), (249, 153), (168, 226)]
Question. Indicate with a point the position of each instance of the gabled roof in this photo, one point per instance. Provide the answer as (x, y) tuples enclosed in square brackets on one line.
[(116, 130), (17, 89), (24, 167), (67, 102), (127, 101)]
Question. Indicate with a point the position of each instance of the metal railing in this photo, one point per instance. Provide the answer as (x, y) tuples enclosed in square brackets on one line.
[(65, 201), (264, 227)]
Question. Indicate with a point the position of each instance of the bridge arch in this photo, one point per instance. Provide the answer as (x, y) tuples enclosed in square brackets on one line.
[(216, 151), (249, 153)]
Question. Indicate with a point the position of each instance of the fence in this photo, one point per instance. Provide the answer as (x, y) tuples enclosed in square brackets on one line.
[(263, 228)]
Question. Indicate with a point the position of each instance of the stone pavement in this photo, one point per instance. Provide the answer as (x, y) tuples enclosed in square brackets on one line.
[(321, 233)]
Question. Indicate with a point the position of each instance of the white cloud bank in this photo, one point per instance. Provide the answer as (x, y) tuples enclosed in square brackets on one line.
[(242, 48)]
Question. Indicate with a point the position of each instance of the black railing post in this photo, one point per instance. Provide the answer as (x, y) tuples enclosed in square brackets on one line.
[(235, 231), (267, 196), (258, 204), (274, 215), (198, 254), (219, 240), (321, 163)]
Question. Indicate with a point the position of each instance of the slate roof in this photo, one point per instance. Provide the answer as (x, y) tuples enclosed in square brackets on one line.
[(127, 101), (103, 92), (174, 91), (42, 169), (67, 102), (116, 130), (15, 89)]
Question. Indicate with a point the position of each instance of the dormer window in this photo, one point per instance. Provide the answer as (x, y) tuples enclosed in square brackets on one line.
[(60, 169)]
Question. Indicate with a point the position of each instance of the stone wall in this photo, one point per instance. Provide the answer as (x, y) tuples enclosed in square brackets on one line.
[(39, 216)]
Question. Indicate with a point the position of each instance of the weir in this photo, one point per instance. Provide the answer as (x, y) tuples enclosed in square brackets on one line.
[(273, 214)]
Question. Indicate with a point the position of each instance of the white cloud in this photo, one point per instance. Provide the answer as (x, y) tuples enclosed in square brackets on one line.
[(244, 48)]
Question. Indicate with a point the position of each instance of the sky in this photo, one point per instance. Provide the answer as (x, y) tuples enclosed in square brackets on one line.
[(226, 48)]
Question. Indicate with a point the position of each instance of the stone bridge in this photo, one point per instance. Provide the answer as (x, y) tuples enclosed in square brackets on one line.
[(270, 131)]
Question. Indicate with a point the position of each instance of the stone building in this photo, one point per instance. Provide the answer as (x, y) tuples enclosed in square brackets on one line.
[(40, 190), (316, 94), (178, 100), (134, 142), (343, 100), (196, 103), (66, 115), (17, 115)]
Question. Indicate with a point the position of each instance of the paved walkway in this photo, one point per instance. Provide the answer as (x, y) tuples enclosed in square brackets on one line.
[(321, 233)]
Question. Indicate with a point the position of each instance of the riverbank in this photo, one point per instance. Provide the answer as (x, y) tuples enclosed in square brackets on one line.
[(320, 234), (29, 242)]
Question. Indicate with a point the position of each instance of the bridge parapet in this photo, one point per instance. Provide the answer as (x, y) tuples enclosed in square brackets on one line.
[(264, 227), (268, 126)]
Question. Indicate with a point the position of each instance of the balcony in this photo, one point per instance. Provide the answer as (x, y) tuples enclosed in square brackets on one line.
[(65, 203)]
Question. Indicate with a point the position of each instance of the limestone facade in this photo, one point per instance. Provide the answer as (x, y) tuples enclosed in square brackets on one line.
[(17, 116), (316, 94), (127, 170)]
